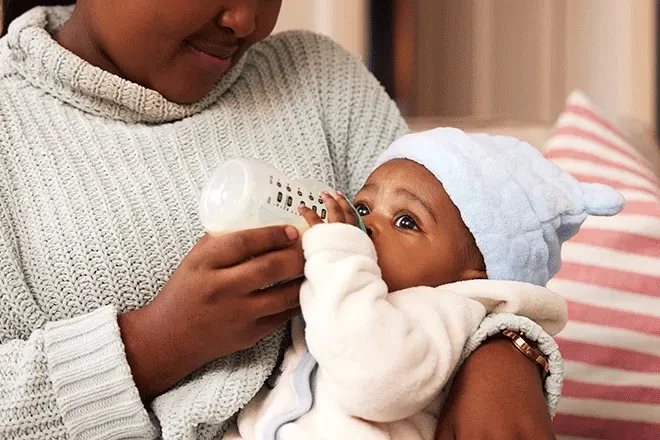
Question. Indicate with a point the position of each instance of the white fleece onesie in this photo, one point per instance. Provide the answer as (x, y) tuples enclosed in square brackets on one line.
[(383, 358)]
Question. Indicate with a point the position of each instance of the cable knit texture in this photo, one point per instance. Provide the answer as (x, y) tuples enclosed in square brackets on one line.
[(99, 184)]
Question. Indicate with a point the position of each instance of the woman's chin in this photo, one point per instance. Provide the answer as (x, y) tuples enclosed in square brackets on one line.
[(186, 98), (186, 93)]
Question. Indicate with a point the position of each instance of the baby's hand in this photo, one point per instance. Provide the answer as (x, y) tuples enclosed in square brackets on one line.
[(338, 208)]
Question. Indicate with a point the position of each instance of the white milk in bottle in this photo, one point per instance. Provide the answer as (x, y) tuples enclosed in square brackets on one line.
[(249, 193)]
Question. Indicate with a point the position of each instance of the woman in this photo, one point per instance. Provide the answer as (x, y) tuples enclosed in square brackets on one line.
[(112, 115)]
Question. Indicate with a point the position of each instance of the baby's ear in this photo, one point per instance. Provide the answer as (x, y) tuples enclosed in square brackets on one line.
[(473, 274)]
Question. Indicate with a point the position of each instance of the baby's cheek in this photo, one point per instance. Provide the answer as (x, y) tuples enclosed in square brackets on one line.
[(400, 269)]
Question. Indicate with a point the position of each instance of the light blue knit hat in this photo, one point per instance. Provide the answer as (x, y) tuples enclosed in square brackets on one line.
[(519, 206)]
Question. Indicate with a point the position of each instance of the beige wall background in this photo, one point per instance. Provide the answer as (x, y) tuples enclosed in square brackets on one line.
[(343, 20), (514, 59), (611, 54), (518, 59)]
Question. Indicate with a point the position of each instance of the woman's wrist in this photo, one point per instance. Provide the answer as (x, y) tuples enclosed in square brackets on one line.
[(152, 355), (497, 357), (502, 389)]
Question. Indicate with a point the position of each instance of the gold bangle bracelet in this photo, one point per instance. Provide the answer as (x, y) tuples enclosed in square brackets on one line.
[(533, 354)]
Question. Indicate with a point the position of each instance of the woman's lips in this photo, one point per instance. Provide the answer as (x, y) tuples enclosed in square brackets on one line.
[(216, 51), (212, 57)]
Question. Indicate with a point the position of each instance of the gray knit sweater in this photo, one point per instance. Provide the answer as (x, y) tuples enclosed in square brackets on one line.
[(99, 183)]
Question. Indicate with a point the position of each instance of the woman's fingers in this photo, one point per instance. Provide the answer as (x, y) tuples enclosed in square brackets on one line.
[(264, 271), (228, 250), (268, 324), (277, 299)]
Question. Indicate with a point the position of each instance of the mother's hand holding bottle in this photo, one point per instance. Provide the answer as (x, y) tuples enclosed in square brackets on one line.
[(215, 303)]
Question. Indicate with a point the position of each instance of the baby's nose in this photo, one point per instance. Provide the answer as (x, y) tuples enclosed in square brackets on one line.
[(371, 225), (371, 229)]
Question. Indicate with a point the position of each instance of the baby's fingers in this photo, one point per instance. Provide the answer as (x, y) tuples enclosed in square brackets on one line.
[(311, 217), (350, 215), (335, 211)]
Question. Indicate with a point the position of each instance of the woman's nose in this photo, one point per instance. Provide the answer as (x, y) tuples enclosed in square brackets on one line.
[(240, 17)]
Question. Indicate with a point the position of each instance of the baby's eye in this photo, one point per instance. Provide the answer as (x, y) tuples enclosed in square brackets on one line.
[(406, 222), (362, 209)]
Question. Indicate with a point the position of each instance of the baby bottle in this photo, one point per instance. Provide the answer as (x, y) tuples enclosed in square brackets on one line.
[(249, 193)]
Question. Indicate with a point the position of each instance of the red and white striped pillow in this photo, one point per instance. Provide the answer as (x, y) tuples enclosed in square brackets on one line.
[(611, 280)]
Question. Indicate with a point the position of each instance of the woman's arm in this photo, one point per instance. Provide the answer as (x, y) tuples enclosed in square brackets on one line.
[(495, 375), (70, 380), (64, 379)]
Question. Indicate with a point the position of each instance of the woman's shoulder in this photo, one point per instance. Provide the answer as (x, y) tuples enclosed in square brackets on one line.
[(11, 82), (308, 53), (305, 42), (6, 68), (7, 78)]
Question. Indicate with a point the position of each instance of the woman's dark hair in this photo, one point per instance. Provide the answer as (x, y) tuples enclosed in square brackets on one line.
[(14, 8)]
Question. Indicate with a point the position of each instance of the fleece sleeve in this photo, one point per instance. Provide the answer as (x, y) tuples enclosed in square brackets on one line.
[(387, 355)]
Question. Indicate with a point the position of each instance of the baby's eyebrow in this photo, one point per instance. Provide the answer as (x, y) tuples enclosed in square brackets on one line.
[(415, 198), (369, 186)]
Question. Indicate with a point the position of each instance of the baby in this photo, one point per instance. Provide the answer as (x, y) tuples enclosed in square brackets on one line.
[(457, 226)]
